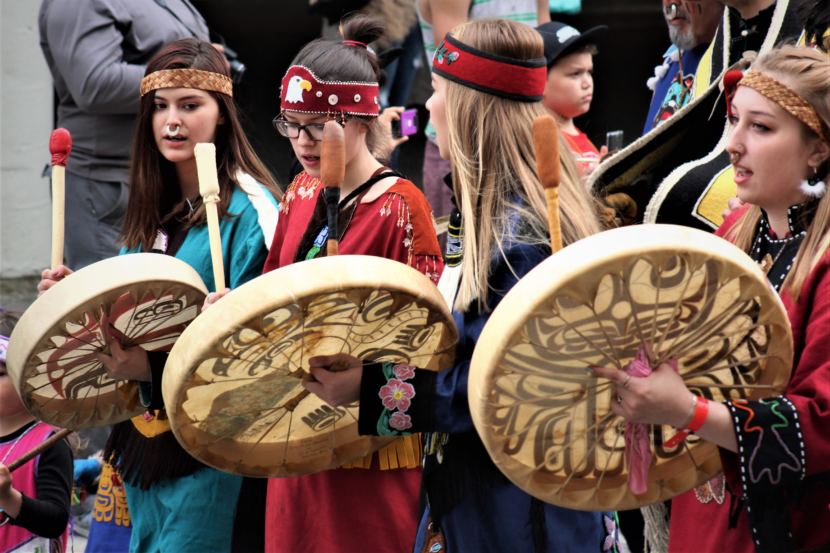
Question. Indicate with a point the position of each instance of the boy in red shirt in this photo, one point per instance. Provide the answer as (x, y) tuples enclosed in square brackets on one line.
[(570, 85)]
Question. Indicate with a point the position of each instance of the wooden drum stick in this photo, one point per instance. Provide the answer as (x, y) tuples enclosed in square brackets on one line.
[(46, 444), (332, 173), (60, 144), (546, 143), (205, 153)]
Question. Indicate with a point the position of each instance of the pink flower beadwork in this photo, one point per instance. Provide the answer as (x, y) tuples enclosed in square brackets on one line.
[(400, 421), (404, 372), (396, 394)]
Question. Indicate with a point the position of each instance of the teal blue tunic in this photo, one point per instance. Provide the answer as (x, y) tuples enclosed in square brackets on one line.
[(246, 232), (195, 513)]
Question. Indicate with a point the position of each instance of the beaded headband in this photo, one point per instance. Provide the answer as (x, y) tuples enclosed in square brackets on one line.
[(303, 91), (776, 91), (4, 345), (521, 80), (187, 78)]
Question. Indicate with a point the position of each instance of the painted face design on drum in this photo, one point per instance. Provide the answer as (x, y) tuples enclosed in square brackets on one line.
[(182, 118)]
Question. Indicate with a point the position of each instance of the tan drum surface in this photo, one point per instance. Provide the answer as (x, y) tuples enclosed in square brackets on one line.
[(545, 418), (232, 382), (141, 299)]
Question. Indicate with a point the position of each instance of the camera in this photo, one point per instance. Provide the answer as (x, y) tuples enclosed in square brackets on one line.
[(237, 67), (408, 124)]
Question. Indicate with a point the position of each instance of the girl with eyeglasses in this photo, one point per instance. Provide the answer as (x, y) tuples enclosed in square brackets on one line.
[(360, 507)]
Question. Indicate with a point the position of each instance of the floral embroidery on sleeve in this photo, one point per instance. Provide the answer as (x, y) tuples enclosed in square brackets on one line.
[(396, 396)]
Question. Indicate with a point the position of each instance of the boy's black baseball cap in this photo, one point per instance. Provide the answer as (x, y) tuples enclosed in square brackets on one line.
[(561, 39)]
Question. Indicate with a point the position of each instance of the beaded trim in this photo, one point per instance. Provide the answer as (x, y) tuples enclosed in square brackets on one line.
[(303, 91), (187, 78), (4, 345), (757, 477), (763, 236)]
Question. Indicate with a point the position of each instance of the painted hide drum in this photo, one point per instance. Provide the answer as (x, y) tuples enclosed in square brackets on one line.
[(678, 292), (232, 383), (140, 299)]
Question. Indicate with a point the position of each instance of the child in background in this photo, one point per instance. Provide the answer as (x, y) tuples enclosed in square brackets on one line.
[(570, 85), (34, 502)]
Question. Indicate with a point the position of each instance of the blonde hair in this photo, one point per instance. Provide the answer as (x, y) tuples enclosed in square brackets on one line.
[(805, 71), (490, 141)]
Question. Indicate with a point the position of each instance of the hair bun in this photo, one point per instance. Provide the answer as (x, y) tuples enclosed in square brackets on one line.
[(361, 28)]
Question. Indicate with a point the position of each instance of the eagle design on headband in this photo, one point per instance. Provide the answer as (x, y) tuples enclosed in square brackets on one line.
[(296, 85)]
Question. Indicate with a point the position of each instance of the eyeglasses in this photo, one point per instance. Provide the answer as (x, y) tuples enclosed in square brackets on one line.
[(290, 129)]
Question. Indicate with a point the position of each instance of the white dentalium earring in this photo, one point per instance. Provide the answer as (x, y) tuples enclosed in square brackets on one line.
[(171, 130), (814, 187)]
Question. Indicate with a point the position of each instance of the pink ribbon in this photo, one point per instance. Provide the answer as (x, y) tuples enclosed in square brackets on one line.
[(638, 452)]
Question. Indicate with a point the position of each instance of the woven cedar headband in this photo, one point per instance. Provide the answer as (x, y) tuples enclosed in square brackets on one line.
[(187, 78), (522, 80), (303, 91), (776, 91)]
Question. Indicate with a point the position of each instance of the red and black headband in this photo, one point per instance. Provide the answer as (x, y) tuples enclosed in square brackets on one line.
[(520, 80), (303, 91)]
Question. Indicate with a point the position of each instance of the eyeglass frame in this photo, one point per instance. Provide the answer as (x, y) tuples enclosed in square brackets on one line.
[(332, 116)]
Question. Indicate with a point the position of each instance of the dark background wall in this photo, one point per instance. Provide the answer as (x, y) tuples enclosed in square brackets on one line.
[(267, 34)]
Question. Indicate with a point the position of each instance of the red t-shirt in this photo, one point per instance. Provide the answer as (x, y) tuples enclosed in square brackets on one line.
[(583, 149)]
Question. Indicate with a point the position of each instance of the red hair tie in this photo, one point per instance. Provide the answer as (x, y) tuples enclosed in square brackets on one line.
[(355, 43), (730, 84)]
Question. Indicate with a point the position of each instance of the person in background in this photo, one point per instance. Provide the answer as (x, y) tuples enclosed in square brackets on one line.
[(692, 25), (34, 500), (96, 51), (570, 85)]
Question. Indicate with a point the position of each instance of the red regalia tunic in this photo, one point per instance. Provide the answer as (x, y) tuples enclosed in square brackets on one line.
[(371, 505), (785, 443)]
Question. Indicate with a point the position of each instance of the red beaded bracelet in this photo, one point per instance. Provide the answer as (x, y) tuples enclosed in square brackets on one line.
[(698, 418)]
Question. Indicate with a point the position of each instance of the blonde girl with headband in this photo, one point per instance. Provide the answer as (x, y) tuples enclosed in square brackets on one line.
[(175, 502), (775, 489), (488, 80)]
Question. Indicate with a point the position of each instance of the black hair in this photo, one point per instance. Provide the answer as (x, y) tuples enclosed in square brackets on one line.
[(8, 320), (331, 60), (815, 15)]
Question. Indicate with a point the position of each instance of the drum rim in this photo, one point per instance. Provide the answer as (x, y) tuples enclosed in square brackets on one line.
[(370, 271), (132, 269), (556, 272)]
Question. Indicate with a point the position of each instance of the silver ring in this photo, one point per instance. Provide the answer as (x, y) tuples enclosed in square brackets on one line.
[(619, 399), (171, 130), (625, 381)]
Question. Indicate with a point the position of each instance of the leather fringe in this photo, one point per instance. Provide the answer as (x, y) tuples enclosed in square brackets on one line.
[(144, 461), (656, 528)]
